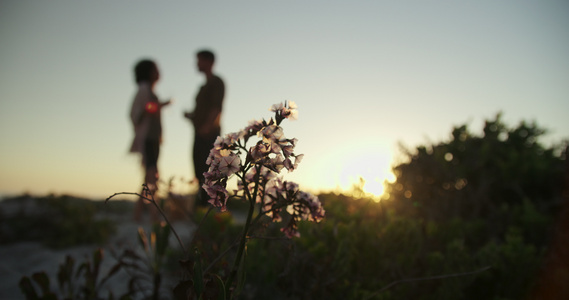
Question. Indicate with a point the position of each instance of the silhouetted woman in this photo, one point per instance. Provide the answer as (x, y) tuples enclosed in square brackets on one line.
[(145, 118)]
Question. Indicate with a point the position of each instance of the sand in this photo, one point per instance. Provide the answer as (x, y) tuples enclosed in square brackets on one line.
[(24, 258)]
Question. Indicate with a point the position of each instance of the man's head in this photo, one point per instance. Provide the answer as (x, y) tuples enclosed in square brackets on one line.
[(146, 70), (206, 59)]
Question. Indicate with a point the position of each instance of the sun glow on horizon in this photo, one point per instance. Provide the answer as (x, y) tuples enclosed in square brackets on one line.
[(357, 167)]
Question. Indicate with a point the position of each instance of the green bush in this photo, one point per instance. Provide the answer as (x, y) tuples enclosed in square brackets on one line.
[(59, 222), (465, 219), (354, 256)]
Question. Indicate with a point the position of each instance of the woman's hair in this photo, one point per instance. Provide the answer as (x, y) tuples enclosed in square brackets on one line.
[(146, 70)]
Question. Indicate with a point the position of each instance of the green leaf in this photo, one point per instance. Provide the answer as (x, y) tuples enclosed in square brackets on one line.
[(65, 272), (28, 289), (97, 259), (114, 269), (221, 288), (162, 239), (111, 272), (143, 239), (198, 273), (84, 266), (43, 281)]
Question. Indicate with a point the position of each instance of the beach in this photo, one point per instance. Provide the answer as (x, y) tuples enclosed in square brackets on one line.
[(23, 258)]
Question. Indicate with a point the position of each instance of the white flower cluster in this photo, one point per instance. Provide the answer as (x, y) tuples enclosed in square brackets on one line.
[(258, 180), (300, 205)]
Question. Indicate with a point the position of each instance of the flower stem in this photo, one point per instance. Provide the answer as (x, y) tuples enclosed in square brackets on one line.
[(151, 200), (243, 241), (169, 224)]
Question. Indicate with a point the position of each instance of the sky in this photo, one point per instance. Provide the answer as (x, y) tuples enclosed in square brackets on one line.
[(366, 76)]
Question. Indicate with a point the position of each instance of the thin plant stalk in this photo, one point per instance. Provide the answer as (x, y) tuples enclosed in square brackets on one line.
[(243, 241), (151, 200)]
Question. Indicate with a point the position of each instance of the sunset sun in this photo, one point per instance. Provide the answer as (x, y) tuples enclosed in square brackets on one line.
[(363, 165), (365, 170)]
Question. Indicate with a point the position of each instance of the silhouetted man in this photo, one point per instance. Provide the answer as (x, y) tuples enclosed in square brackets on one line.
[(206, 118)]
